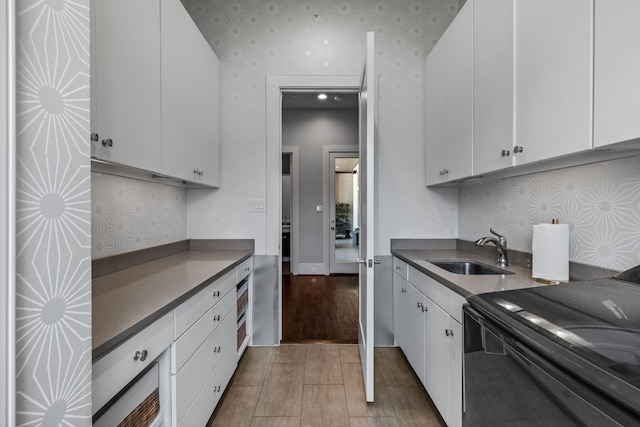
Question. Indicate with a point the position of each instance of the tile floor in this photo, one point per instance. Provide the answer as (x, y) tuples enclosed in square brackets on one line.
[(321, 385)]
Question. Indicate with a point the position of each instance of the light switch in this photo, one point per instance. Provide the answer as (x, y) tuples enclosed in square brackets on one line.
[(318, 208), (257, 205)]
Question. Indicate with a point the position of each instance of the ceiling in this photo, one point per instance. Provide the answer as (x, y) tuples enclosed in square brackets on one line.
[(310, 101)]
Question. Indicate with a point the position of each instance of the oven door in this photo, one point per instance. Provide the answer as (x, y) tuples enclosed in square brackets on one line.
[(507, 384)]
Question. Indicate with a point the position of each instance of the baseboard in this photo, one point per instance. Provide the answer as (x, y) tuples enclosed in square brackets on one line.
[(310, 269)]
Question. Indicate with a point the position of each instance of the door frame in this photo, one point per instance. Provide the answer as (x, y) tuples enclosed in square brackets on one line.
[(275, 85), (7, 213), (327, 150), (294, 262)]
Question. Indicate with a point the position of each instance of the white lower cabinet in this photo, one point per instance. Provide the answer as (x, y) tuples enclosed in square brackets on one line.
[(209, 396), (427, 329), (198, 344)]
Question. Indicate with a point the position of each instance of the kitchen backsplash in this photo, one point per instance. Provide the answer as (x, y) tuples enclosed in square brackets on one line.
[(128, 214), (601, 202)]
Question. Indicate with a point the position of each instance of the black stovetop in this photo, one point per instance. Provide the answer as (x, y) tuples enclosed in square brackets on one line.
[(591, 328)]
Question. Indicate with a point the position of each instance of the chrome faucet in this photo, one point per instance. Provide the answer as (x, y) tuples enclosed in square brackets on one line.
[(500, 243)]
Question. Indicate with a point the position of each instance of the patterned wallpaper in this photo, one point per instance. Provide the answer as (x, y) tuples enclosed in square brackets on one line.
[(128, 214), (254, 39), (601, 202), (53, 297)]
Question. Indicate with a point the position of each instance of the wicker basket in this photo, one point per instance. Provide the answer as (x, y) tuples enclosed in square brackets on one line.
[(243, 301), (144, 413), (242, 334)]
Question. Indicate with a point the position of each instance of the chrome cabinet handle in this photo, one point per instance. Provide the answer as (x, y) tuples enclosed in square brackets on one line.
[(140, 355), (216, 294), (448, 332), (518, 149), (216, 349), (404, 291), (95, 137), (107, 142), (506, 153), (216, 318), (247, 269), (420, 305), (424, 309), (217, 389)]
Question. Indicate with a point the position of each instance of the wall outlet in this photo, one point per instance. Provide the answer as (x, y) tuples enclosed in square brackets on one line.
[(257, 205), (318, 208)]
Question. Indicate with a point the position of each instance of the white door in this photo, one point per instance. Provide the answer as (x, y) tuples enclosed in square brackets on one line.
[(367, 224), (343, 212)]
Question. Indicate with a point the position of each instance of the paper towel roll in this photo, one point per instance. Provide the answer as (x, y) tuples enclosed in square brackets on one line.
[(551, 252)]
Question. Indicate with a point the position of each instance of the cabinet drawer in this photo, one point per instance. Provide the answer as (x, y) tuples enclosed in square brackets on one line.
[(188, 382), (191, 310), (400, 267), (244, 269), (115, 370), (434, 290), (189, 342), (204, 404)]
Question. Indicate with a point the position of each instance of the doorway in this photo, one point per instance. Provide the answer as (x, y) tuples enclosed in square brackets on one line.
[(344, 212), (319, 128)]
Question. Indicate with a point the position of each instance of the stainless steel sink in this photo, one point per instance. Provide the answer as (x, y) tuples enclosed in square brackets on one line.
[(468, 267)]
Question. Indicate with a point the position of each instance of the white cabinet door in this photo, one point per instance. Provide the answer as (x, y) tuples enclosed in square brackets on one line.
[(459, 95), (400, 302), (617, 71), (190, 97), (493, 85), (126, 78), (436, 357), (454, 418), (435, 114), (415, 330), (554, 41)]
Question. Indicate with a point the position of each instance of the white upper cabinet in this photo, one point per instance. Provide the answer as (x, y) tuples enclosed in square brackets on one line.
[(459, 94), (449, 102), (553, 78), (493, 85), (125, 80), (617, 71), (435, 114), (190, 94)]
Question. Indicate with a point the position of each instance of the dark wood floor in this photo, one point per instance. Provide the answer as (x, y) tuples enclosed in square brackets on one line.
[(320, 309)]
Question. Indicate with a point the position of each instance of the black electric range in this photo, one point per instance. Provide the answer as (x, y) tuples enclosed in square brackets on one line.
[(588, 332)]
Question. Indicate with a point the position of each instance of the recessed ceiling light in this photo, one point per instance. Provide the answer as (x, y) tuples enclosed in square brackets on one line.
[(337, 98), (322, 96)]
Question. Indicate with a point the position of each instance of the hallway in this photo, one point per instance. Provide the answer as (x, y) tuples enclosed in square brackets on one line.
[(319, 309), (321, 385)]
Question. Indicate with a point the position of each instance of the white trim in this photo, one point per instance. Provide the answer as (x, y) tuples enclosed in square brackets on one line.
[(274, 87), (311, 268), (7, 214), (294, 150), (327, 150)]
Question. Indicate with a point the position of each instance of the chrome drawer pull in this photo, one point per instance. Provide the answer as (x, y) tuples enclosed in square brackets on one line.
[(140, 355)]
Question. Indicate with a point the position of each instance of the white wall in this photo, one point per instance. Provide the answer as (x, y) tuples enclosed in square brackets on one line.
[(258, 39)]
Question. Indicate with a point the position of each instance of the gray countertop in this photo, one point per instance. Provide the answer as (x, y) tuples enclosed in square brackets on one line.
[(127, 301), (466, 285)]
